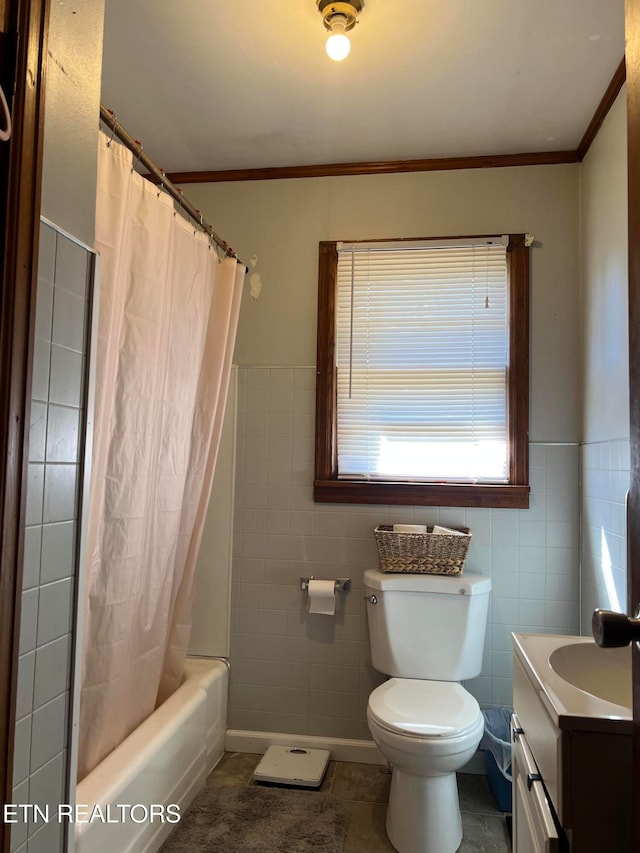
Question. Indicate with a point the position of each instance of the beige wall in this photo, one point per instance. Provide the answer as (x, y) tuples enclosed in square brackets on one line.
[(605, 346), (72, 102), (282, 222), (302, 674), (605, 373)]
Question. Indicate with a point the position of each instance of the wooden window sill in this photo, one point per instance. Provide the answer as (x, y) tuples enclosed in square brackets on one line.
[(499, 496)]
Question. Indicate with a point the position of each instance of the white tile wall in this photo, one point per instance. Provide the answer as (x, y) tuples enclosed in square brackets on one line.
[(22, 750), (48, 732), (605, 475), (298, 673), (55, 455), (19, 830), (47, 785)]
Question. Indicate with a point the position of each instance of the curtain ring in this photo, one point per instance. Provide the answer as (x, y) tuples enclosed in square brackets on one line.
[(161, 183), (179, 201), (113, 127), (138, 156)]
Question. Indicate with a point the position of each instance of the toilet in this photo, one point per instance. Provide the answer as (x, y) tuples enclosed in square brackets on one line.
[(426, 632)]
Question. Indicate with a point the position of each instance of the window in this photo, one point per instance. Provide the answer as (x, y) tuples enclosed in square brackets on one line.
[(422, 380)]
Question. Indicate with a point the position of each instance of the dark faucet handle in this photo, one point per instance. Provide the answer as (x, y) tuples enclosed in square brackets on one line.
[(612, 629)]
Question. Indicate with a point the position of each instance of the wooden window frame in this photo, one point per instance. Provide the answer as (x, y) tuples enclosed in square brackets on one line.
[(514, 494)]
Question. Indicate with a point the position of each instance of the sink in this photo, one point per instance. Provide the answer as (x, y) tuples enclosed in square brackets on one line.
[(580, 683), (604, 673)]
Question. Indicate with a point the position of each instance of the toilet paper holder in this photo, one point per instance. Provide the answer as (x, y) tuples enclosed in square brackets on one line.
[(341, 584)]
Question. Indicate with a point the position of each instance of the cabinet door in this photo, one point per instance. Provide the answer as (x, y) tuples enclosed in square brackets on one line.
[(534, 829)]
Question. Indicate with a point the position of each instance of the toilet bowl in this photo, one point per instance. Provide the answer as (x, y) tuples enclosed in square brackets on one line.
[(427, 730), (427, 633)]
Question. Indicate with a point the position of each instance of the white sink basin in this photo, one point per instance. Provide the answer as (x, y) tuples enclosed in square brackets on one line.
[(603, 673), (580, 684)]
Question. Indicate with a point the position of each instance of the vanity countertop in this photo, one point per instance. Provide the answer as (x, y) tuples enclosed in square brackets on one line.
[(593, 677)]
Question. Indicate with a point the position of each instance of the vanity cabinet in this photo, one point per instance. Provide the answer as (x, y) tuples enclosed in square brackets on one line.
[(571, 769), (534, 826)]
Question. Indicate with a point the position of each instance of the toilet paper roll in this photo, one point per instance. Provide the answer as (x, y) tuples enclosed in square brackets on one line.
[(322, 597)]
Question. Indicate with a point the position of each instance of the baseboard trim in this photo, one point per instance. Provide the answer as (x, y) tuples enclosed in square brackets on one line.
[(341, 749)]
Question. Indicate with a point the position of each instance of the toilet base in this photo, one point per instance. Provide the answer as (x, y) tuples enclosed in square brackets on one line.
[(424, 813)]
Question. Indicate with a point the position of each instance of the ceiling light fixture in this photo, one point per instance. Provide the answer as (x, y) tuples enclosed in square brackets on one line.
[(339, 19)]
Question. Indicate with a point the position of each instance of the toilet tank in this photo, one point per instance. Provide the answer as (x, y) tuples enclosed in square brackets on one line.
[(427, 626)]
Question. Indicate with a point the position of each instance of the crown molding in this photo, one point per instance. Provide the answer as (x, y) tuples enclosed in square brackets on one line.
[(382, 167), (434, 164), (608, 99)]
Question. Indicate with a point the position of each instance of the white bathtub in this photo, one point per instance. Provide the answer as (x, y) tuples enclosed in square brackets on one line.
[(164, 761)]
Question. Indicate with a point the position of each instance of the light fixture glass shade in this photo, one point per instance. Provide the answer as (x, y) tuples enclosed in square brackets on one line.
[(338, 44)]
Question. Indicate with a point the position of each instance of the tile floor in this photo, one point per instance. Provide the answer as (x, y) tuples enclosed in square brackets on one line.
[(366, 788)]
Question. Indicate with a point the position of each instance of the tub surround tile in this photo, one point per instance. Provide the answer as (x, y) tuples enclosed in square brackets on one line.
[(37, 432), (60, 493), (52, 670), (55, 611), (44, 310), (50, 553), (58, 551), (19, 830), (71, 270), (66, 380), (22, 750), (47, 786), (29, 620), (24, 698), (31, 565), (68, 328), (35, 494), (41, 368), (48, 732), (48, 838), (63, 434)]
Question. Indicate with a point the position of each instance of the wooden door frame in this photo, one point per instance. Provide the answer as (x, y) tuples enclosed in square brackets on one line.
[(23, 51), (632, 32)]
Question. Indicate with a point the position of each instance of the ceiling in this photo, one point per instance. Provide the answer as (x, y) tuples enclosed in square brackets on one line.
[(235, 84)]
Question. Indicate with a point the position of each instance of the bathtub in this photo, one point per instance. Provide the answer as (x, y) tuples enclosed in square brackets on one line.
[(164, 761)]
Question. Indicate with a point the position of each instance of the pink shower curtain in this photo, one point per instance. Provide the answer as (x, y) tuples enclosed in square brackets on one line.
[(167, 323)]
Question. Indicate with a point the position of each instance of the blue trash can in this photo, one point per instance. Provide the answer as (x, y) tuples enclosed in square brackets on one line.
[(497, 743)]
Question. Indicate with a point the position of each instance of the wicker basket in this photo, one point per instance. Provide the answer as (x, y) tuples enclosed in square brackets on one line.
[(422, 553)]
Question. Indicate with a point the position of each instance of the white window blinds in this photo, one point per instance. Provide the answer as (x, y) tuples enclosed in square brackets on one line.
[(421, 356)]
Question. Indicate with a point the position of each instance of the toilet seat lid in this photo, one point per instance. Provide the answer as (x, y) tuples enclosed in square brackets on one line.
[(424, 708)]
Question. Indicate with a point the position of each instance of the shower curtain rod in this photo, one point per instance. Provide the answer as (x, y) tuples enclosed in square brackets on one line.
[(109, 118)]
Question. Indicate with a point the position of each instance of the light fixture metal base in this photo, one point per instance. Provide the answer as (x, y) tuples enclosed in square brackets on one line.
[(330, 10)]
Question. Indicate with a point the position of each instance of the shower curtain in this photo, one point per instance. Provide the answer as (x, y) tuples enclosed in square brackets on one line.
[(167, 323)]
